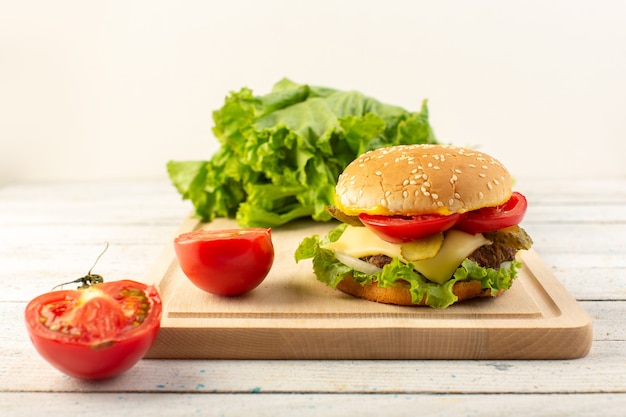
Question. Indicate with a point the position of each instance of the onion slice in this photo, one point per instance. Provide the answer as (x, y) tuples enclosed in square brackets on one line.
[(357, 264)]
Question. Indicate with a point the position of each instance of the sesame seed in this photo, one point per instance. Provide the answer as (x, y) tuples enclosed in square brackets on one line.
[(458, 171), (489, 185), (457, 196), (405, 193), (378, 173), (435, 196), (481, 175), (451, 202), (439, 204), (496, 182), (481, 195), (405, 182)]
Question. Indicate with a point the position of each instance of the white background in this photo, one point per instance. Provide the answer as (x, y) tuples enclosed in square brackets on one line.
[(114, 89)]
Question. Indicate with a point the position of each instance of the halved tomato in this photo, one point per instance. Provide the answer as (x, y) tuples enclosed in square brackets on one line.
[(97, 332), (225, 262), (489, 219), (399, 229)]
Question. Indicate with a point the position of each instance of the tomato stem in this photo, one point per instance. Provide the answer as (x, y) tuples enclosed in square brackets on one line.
[(89, 279)]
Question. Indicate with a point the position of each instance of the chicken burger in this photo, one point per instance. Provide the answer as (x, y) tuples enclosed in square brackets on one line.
[(421, 225)]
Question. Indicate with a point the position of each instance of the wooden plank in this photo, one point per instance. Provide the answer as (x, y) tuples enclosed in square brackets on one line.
[(602, 371), (292, 316), (301, 405)]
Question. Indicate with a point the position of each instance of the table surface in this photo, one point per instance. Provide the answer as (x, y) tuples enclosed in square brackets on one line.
[(52, 232)]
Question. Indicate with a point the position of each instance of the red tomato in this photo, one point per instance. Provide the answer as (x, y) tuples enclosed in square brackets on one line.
[(489, 219), (399, 229), (225, 262), (97, 332)]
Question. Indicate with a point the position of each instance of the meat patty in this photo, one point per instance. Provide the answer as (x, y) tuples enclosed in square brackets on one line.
[(378, 260), (504, 246), (491, 256)]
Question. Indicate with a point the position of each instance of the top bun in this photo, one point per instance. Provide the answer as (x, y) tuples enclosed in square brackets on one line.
[(422, 179)]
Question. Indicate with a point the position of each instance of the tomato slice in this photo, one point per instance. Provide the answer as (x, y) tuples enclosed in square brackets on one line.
[(97, 332), (225, 262), (489, 219), (399, 229)]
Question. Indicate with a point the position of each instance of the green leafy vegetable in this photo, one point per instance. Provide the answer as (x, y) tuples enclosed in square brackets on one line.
[(330, 271), (280, 154)]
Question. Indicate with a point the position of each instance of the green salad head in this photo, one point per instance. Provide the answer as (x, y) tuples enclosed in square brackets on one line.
[(280, 154)]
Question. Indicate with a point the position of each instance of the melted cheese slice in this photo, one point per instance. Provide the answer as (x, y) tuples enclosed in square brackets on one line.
[(456, 247), (360, 241), (357, 241)]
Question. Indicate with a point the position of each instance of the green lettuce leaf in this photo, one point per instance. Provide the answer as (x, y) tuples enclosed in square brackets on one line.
[(330, 271), (280, 154)]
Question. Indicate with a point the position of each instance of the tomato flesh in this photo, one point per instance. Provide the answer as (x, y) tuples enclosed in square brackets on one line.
[(400, 229), (225, 262), (98, 332), (490, 219)]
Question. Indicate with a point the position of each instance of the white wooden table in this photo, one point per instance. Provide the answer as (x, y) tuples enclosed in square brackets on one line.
[(51, 233)]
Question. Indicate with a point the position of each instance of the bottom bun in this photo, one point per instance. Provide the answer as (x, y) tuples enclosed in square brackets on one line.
[(464, 290)]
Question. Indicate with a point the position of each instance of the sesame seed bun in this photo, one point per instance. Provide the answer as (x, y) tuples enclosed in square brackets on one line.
[(422, 179)]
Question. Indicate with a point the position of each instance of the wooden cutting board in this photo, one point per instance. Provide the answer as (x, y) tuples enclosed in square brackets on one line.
[(291, 315)]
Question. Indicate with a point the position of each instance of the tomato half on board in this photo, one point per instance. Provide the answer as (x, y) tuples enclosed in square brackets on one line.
[(225, 262), (489, 219), (399, 229), (97, 332)]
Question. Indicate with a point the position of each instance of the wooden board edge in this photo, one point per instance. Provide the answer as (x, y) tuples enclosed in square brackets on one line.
[(348, 344)]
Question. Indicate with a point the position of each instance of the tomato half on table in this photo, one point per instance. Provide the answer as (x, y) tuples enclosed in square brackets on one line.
[(97, 332), (400, 229), (225, 262), (489, 219)]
